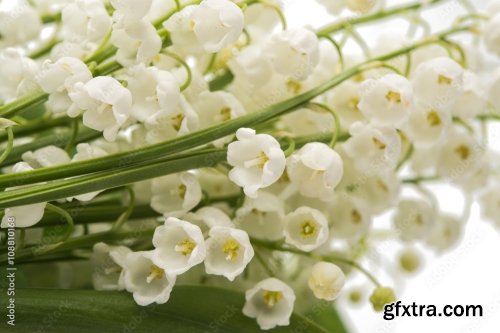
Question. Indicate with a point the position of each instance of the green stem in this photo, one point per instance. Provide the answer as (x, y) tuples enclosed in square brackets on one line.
[(334, 259), (74, 136), (10, 144), (66, 215), (337, 26), (338, 48), (126, 214), (336, 121), (189, 74)]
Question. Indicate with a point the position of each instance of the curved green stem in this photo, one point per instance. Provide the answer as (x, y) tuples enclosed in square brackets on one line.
[(126, 214), (189, 73), (10, 144), (338, 48), (334, 259), (291, 146), (336, 121), (74, 135), (66, 215)]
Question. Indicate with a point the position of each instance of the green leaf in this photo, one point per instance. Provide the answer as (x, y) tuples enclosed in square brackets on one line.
[(324, 314), (190, 309)]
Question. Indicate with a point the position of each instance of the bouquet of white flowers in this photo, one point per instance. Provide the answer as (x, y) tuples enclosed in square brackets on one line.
[(224, 170)]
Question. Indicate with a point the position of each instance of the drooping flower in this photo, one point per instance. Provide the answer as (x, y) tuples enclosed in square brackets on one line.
[(294, 52), (148, 282), (217, 23), (108, 262), (326, 280), (316, 169), (306, 228), (414, 219), (228, 252), (257, 161), (179, 245), (271, 302), (106, 104)]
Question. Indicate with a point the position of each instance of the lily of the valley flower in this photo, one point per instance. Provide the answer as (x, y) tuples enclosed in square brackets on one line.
[(294, 52), (228, 252), (108, 262), (387, 101), (326, 281), (217, 23), (316, 169), (179, 245), (148, 282), (414, 219), (257, 161), (306, 228), (271, 302), (24, 216), (58, 79), (175, 195), (106, 103)]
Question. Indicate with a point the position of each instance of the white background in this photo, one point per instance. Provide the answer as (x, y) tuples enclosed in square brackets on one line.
[(470, 274)]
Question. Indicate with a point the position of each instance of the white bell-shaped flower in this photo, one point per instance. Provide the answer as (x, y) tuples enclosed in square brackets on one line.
[(491, 34), (18, 74), (58, 79), (294, 52), (19, 22), (344, 100), (180, 27), (414, 219), (46, 157), (155, 93), (262, 217), (306, 228), (217, 107), (137, 40), (271, 302), (85, 21), (448, 231), (361, 6), (175, 195), (132, 9), (250, 66), (106, 103), (23, 216), (148, 282), (387, 101), (428, 126), (84, 151), (326, 280), (228, 252), (374, 150), (217, 23), (350, 217), (474, 98), (257, 161), (209, 217), (108, 262), (489, 202), (438, 83), (316, 169), (179, 245), (333, 7), (460, 155), (308, 122)]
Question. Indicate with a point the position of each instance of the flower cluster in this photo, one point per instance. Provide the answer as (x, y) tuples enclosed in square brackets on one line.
[(208, 143)]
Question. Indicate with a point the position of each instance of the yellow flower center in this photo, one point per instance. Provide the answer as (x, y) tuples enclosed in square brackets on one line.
[(443, 80), (155, 272), (177, 121), (231, 248), (393, 97), (185, 247), (352, 104), (433, 119), (225, 113), (379, 144), (355, 216), (463, 151), (182, 191), (272, 297), (308, 228), (294, 86)]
